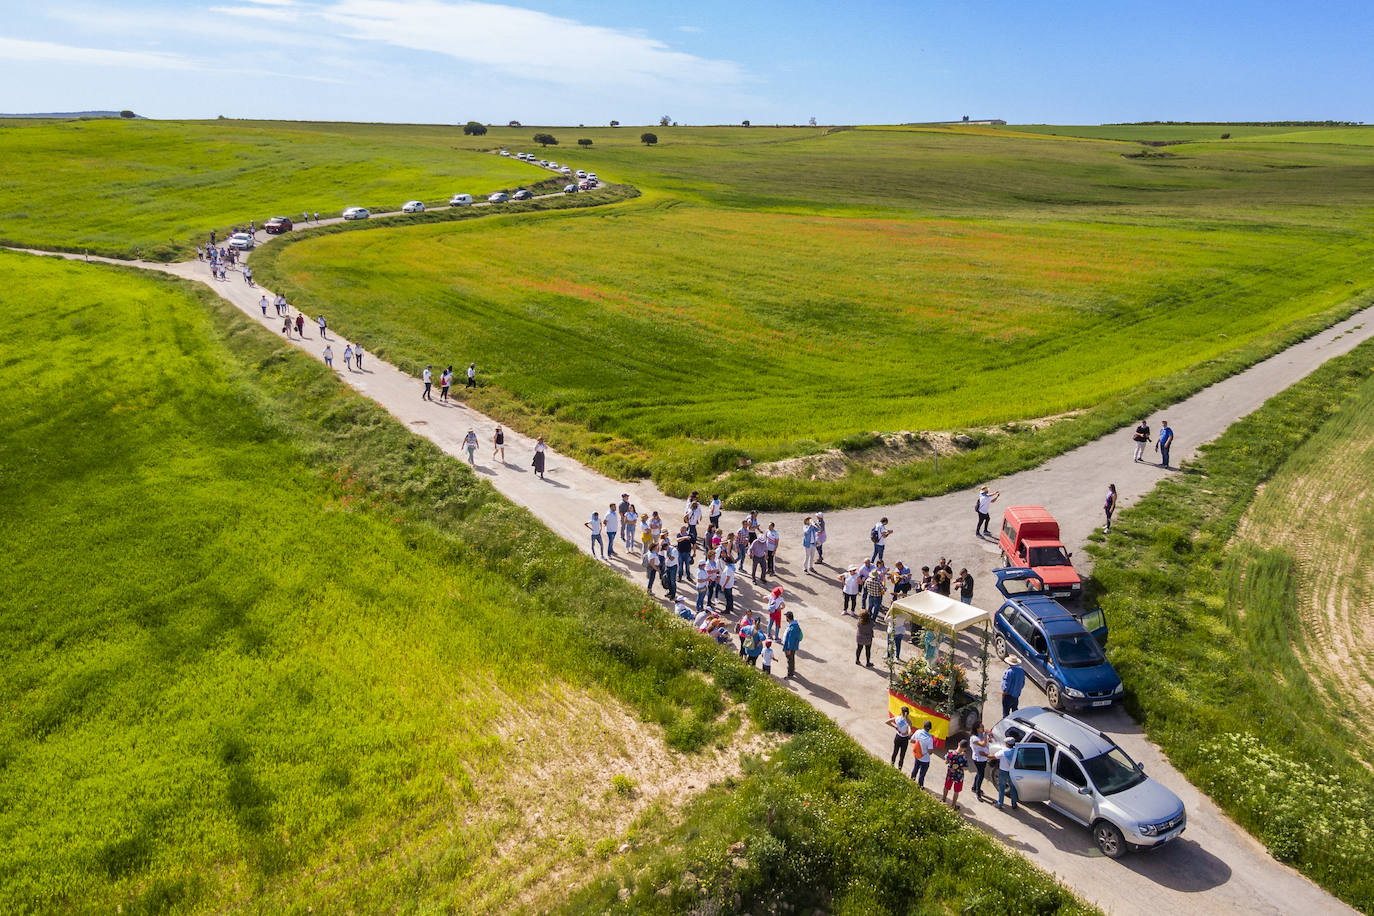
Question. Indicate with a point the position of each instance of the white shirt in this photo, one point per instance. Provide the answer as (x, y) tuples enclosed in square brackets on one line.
[(882, 534), (903, 726), (1004, 759), (612, 523), (701, 619), (594, 523), (984, 504), (426, 375), (772, 538), (715, 508), (979, 745), (702, 577), (767, 656), (471, 371), (694, 515), (851, 583), (926, 742), (727, 576)]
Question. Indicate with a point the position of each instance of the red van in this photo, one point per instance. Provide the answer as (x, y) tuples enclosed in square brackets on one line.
[(1030, 538)]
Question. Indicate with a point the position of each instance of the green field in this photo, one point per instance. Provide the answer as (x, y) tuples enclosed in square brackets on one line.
[(891, 280), (1239, 596), (266, 651), (122, 188)]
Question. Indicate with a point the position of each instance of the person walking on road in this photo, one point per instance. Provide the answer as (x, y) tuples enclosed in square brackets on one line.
[(470, 445), (1013, 682), (1164, 443), (983, 507), (498, 445), (428, 378), (981, 745), (323, 327), (538, 464), (472, 375), (879, 536), (652, 563), (864, 635), (329, 356), (922, 749), (1109, 506), (358, 356), (300, 326), (791, 642), (1004, 784), (262, 303), (445, 379), (902, 724), (348, 356), (776, 605), (1142, 436), (874, 589), (594, 526), (771, 539), (956, 761)]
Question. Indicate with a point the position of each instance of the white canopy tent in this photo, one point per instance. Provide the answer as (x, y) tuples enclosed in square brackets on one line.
[(947, 617)]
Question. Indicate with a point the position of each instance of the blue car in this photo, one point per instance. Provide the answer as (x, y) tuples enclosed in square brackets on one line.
[(1061, 652)]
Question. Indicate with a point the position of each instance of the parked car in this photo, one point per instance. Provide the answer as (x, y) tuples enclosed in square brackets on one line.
[(523, 194), (1030, 537), (277, 225), (569, 189), (242, 241), (413, 206), (1058, 650), (460, 200), (1085, 776), (357, 213), (499, 197), (553, 165)]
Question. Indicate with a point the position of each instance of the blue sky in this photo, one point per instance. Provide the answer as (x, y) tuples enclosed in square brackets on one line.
[(711, 61)]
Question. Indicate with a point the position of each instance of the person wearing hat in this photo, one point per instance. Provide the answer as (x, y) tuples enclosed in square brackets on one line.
[(767, 656), (1004, 784), (681, 609), (984, 510), (1013, 682), (470, 446), (850, 585), (900, 741)]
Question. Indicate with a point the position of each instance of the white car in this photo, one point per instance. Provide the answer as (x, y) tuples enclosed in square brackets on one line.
[(553, 165), (591, 176), (581, 173), (499, 197), (413, 206), (241, 240), (460, 200), (504, 153), (565, 170), (357, 213)]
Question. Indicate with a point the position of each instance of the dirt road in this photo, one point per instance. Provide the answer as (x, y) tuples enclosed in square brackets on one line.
[(1214, 868)]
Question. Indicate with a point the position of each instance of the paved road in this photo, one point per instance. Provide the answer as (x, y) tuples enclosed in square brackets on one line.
[(1215, 867)]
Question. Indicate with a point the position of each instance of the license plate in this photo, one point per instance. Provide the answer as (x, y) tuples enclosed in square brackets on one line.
[(1102, 702)]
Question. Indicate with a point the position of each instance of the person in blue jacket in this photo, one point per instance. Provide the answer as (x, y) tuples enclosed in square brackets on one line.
[(791, 642), (1164, 443), (1013, 681)]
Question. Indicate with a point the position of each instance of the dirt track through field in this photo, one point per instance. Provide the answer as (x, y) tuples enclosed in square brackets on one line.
[(1215, 867)]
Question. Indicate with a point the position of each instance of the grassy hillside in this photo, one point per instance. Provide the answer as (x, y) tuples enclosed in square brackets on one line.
[(1240, 620), (265, 651), (156, 188), (894, 280)]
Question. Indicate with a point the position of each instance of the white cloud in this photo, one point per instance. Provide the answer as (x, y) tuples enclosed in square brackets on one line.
[(690, 29), (281, 13), (18, 49), (528, 43)]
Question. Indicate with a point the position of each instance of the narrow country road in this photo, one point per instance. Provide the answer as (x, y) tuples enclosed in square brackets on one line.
[(1215, 867)]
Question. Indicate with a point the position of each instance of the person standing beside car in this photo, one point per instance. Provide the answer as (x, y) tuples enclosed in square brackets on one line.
[(1004, 784), (980, 744), (1013, 682), (983, 507)]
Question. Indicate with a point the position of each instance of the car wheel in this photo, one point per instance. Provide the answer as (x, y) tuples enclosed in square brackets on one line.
[(1109, 839), (1052, 694), (999, 644)]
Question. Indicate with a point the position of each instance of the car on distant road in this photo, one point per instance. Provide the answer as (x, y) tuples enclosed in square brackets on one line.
[(1061, 652), (413, 206), (499, 197), (569, 189), (566, 170), (277, 225), (584, 185), (460, 200), (581, 173), (504, 153), (553, 165), (1030, 537), (523, 194), (1084, 775), (357, 213), (591, 176), (241, 241)]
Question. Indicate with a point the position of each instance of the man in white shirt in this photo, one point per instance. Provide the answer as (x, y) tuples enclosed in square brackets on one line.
[(428, 379), (984, 507), (703, 579), (714, 512), (612, 526), (727, 586), (879, 537), (1004, 783), (922, 748), (594, 526), (669, 571), (693, 519), (772, 538)]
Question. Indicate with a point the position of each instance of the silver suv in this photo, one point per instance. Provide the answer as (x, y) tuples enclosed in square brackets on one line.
[(1081, 773)]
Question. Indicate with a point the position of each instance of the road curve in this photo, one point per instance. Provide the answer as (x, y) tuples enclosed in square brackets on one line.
[(1216, 867)]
